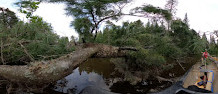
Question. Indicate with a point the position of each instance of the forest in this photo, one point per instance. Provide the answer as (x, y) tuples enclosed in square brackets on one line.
[(147, 46)]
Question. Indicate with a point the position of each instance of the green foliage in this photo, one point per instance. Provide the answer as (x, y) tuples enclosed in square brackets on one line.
[(7, 18), (213, 50), (154, 46), (156, 10), (135, 34), (127, 42), (83, 27), (213, 45), (28, 7), (89, 14), (171, 6), (36, 37), (144, 58)]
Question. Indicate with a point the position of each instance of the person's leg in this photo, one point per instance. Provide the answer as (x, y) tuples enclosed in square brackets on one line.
[(205, 63)]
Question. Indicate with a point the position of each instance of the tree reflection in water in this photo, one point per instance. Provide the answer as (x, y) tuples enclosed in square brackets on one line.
[(93, 72)]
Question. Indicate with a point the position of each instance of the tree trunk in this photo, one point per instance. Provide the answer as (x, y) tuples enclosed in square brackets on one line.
[(44, 72)]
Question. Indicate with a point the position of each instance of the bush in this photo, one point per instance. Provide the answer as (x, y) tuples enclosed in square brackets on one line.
[(36, 38)]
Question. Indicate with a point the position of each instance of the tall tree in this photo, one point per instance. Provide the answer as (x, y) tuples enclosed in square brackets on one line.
[(212, 39), (89, 14), (204, 40), (186, 20), (216, 33), (171, 7), (28, 7), (7, 17)]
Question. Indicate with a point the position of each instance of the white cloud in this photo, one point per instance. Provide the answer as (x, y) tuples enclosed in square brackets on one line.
[(51, 13), (55, 14), (202, 14)]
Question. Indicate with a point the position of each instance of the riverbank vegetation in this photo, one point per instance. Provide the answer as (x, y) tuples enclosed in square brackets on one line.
[(23, 42), (149, 45)]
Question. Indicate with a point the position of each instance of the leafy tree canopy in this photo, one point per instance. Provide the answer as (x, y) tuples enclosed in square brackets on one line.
[(89, 14), (25, 42), (7, 17)]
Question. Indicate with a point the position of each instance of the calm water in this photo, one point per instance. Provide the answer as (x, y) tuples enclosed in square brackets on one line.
[(94, 72), (100, 72)]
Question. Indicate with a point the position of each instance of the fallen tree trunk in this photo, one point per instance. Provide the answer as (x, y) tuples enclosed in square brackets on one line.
[(44, 72), (37, 75)]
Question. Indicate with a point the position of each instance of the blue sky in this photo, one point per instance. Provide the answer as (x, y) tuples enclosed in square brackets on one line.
[(8, 3), (203, 14)]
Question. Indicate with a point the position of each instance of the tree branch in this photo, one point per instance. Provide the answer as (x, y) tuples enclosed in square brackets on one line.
[(93, 19), (26, 52), (128, 48), (163, 79), (180, 64)]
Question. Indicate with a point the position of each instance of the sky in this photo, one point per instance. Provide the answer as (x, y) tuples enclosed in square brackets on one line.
[(202, 14)]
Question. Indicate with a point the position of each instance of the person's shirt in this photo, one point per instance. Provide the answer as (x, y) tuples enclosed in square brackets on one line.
[(206, 54)]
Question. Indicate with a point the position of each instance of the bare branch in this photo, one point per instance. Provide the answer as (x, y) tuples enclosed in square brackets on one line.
[(26, 52)]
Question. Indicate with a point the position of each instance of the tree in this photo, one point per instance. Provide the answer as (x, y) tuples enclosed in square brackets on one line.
[(28, 7), (212, 40), (7, 17), (89, 14), (181, 33), (186, 20), (213, 46), (216, 33), (171, 6), (205, 42), (23, 42)]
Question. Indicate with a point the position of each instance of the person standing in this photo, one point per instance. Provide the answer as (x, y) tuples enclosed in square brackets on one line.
[(205, 59)]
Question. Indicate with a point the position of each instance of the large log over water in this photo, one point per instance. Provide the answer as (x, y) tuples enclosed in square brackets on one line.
[(46, 71), (43, 72)]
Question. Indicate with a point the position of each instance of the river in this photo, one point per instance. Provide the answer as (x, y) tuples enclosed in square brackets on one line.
[(100, 73)]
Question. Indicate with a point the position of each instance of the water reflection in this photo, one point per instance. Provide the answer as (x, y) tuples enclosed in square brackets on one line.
[(93, 72)]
